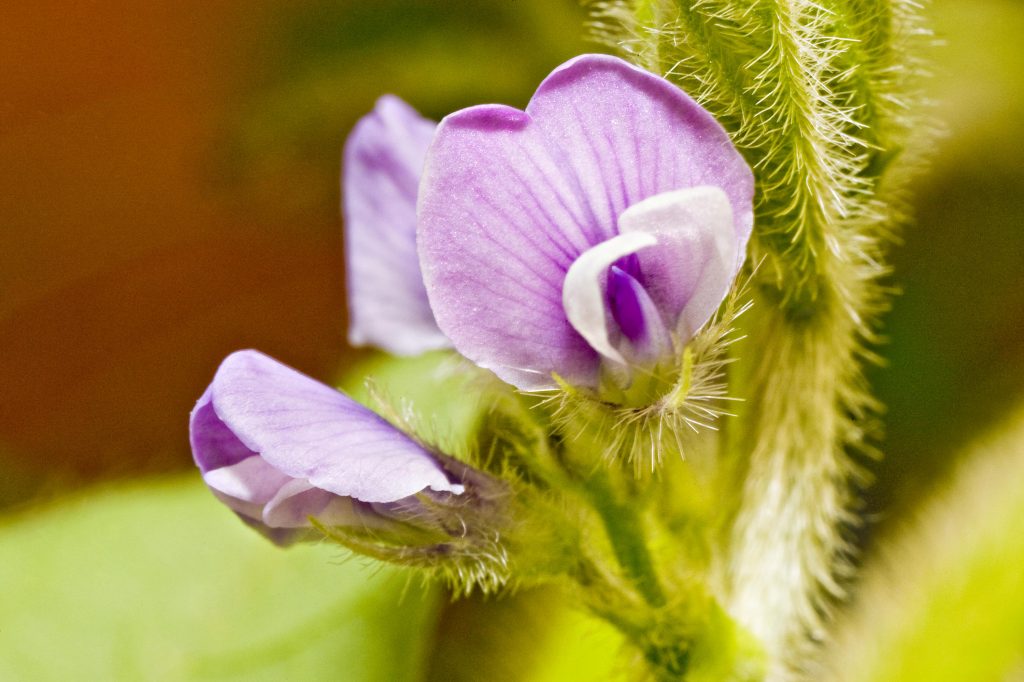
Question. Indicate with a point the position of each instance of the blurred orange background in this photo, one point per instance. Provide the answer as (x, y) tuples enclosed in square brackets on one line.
[(169, 179), (126, 271)]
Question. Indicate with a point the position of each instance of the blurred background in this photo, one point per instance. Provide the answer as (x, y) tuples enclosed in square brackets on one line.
[(169, 193)]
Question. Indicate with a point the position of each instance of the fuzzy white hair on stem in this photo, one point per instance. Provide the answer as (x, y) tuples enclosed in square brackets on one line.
[(823, 98)]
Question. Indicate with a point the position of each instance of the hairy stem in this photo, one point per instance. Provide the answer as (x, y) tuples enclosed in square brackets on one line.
[(627, 537), (819, 97), (787, 542), (787, 538)]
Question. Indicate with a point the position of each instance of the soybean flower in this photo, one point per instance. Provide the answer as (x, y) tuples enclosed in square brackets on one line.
[(592, 234), (279, 448)]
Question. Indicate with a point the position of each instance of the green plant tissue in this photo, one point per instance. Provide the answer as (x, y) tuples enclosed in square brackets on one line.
[(155, 581)]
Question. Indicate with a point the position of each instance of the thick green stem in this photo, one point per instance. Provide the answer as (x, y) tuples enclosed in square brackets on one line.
[(787, 541), (689, 638), (628, 540)]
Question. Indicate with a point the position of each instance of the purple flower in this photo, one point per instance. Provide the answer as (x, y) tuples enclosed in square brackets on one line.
[(388, 305), (598, 230), (278, 448)]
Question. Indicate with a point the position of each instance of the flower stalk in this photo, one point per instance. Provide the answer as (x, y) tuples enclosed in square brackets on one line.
[(821, 98), (627, 536)]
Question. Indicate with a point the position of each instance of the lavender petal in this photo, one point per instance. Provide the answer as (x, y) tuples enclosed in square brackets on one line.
[(510, 199), (306, 430), (384, 158)]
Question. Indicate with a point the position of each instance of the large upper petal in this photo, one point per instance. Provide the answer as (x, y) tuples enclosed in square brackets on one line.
[(509, 199), (309, 431), (388, 305)]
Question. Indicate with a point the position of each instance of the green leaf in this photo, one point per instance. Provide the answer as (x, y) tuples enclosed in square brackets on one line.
[(535, 635), (158, 581), (945, 603)]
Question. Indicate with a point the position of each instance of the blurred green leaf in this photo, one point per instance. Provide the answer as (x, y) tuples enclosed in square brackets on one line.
[(535, 635), (946, 601), (158, 581), (955, 362)]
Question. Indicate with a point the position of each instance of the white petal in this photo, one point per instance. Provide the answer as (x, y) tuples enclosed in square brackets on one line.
[(691, 271), (584, 292), (246, 486), (298, 500)]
